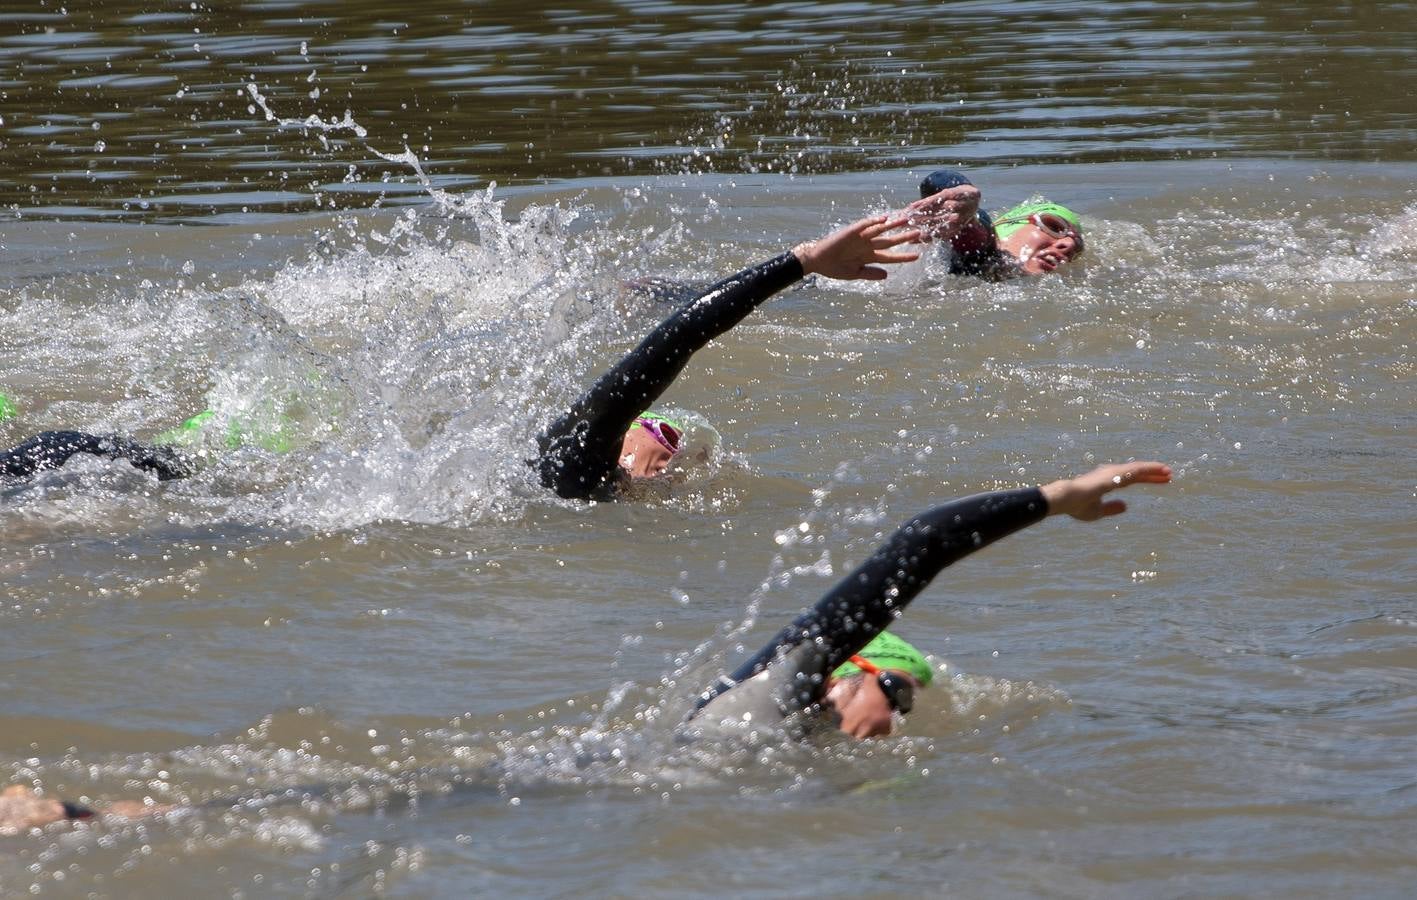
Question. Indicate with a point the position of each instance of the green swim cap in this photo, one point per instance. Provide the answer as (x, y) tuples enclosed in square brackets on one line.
[(656, 417), (188, 433), (240, 432), (1006, 223), (8, 410), (890, 652)]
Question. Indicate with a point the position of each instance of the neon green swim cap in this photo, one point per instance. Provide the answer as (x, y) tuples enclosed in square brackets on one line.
[(890, 652), (1006, 223), (656, 417), (239, 433), (8, 410), (188, 433)]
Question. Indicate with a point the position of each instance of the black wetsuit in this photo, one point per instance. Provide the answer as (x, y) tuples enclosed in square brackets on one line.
[(580, 451), (795, 664), (51, 449)]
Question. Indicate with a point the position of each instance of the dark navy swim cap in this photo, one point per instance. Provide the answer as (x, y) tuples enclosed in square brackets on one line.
[(944, 178), (948, 178)]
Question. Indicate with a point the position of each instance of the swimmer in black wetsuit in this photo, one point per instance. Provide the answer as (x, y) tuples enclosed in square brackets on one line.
[(604, 439), (165, 457), (51, 449), (1030, 239), (794, 673)]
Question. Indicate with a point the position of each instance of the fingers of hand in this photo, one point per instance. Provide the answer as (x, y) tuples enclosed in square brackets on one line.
[(1153, 472), (874, 225), (1144, 472), (891, 240), (897, 256), (1112, 508)]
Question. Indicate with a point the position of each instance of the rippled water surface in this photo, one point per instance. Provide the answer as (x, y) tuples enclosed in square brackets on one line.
[(387, 663), (129, 109)]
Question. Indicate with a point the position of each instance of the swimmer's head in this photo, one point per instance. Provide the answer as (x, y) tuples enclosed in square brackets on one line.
[(650, 444), (867, 690), (886, 651), (943, 180), (8, 410), (1042, 236)]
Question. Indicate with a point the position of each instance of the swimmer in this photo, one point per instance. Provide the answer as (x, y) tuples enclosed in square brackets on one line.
[(52, 449), (605, 440), (23, 808), (1030, 239), (165, 458), (813, 669)]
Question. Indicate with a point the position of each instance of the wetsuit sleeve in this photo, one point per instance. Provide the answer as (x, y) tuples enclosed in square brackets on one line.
[(868, 600), (51, 449), (580, 451)]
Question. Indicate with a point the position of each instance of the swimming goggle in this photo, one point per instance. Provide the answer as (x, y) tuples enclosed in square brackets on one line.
[(899, 689), (1051, 224), (667, 433)]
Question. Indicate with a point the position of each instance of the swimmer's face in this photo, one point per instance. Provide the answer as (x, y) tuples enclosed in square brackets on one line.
[(862, 708), (1040, 250), (643, 456)]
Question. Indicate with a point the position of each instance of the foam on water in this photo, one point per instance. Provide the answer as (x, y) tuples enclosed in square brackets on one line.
[(419, 358), (417, 366), (418, 353)]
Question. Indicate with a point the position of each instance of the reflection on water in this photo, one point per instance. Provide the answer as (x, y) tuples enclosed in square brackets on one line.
[(123, 109)]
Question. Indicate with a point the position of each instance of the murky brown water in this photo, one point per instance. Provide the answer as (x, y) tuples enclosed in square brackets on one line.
[(127, 108), (386, 664)]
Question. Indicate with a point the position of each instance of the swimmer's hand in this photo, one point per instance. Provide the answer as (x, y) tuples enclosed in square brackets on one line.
[(1081, 497), (848, 253), (943, 215), (22, 809)]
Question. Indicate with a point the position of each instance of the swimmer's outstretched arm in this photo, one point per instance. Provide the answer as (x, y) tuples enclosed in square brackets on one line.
[(51, 449), (580, 451), (868, 600), (21, 809)]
